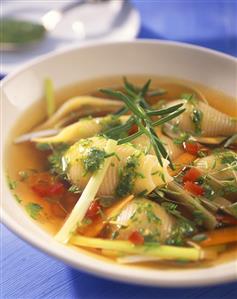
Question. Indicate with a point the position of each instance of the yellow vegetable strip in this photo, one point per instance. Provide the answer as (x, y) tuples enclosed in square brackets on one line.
[(86, 198), (151, 249), (49, 95)]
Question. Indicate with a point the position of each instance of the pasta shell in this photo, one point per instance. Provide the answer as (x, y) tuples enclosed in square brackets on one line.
[(220, 166), (151, 174), (213, 123), (84, 128), (78, 106), (144, 215), (173, 149)]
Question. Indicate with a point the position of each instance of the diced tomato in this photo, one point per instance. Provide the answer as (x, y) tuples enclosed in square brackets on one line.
[(192, 147), (226, 219), (133, 130), (136, 238), (192, 175), (45, 184), (193, 188), (93, 210)]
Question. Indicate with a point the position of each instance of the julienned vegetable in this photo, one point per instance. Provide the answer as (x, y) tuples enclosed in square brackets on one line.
[(148, 176), (88, 195), (50, 97), (149, 249)]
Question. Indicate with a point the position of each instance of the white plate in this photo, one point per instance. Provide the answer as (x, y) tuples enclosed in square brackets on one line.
[(22, 88), (109, 21)]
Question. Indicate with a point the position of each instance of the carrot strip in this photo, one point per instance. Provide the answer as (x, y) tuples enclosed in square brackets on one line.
[(181, 161), (220, 236), (93, 229)]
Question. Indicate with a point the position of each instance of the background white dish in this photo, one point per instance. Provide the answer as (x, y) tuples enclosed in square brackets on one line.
[(107, 21), (23, 87)]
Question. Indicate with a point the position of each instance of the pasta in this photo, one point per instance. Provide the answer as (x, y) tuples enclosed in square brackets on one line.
[(149, 173)]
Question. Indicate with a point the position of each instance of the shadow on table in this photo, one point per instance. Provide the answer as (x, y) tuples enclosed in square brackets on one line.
[(224, 44), (90, 287)]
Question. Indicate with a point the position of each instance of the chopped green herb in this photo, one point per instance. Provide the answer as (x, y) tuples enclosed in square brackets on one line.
[(182, 230), (74, 189), (33, 209), (43, 146), (11, 183), (93, 159), (127, 176), (55, 159), (17, 198), (183, 136), (197, 117)]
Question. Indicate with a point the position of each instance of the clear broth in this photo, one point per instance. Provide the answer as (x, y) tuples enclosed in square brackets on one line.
[(25, 156)]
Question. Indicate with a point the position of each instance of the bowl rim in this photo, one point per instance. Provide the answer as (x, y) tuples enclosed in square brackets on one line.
[(116, 272)]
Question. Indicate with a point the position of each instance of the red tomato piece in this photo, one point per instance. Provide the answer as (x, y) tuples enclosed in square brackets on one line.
[(136, 238), (192, 175), (45, 184), (226, 219), (93, 210), (192, 147), (57, 189), (193, 188)]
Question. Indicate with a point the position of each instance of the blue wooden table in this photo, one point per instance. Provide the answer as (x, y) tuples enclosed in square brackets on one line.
[(29, 274)]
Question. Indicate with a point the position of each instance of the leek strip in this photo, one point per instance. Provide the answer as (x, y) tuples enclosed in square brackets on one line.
[(86, 198), (49, 95), (132, 259), (149, 249), (34, 135)]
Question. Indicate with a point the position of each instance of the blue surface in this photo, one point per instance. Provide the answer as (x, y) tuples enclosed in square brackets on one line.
[(28, 273)]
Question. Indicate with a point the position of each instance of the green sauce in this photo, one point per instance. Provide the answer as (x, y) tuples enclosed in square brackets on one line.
[(17, 31)]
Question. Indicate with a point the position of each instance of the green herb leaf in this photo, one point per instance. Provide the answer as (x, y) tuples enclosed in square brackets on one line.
[(33, 209)]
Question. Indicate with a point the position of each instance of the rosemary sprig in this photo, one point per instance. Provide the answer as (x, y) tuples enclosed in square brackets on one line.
[(135, 103)]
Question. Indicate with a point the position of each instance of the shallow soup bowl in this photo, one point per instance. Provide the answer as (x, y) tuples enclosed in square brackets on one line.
[(25, 86)]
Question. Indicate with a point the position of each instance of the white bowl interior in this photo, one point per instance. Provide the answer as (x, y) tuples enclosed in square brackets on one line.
[(25, 86)]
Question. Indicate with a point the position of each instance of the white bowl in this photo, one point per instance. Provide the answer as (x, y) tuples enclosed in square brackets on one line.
[(23, 87)]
